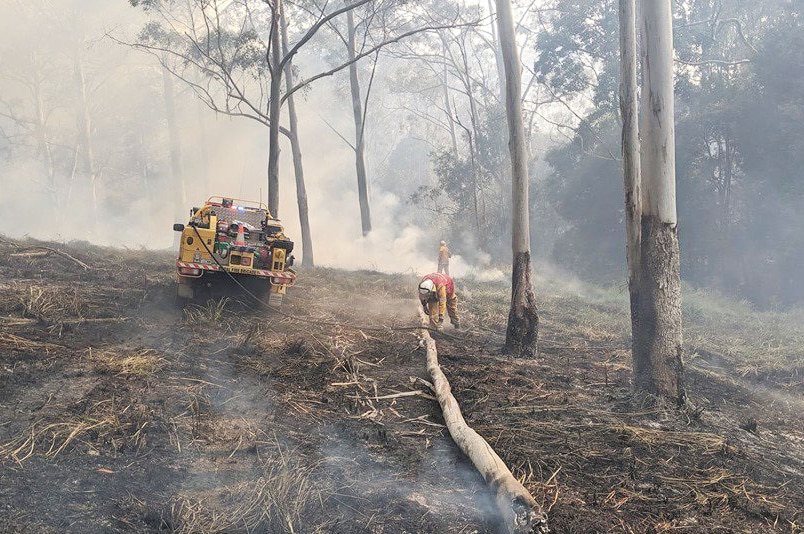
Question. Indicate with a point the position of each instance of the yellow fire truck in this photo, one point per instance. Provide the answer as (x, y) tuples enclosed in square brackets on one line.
[(238, 237)]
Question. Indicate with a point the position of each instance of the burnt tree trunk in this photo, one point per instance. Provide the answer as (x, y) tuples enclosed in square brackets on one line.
[(522, 333), (657, 347), (521, 336), (658, 343)]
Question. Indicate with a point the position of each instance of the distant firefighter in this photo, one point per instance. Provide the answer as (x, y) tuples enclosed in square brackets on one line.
[(438, 297), (443, 258)]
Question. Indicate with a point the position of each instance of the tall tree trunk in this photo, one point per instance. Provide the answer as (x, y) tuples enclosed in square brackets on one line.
[(42, 141), (448, 106), (521, 337), (295, 147), (629, 111), (203, 148), (657, 358), (498, 60), (85, 133), (176, 167), (478, 162), (43, 148), (357, 109), (274, 110), (475, 203), (725, 207)]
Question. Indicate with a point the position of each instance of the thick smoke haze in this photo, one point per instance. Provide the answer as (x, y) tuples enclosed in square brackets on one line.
[(50, 196), (85, 147)]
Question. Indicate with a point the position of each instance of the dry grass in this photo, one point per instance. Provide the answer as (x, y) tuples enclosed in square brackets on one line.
[(210, 314), (753, 342), (144, 363), (48, 303), (36, 302), (575, 314), (284, 499), (105, 426), (12, 342), (576, 443)]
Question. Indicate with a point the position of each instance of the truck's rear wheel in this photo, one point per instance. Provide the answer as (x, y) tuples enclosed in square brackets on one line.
[(275, 299), (185, 290)]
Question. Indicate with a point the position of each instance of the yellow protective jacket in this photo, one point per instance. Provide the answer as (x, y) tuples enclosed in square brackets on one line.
[(443, 254)]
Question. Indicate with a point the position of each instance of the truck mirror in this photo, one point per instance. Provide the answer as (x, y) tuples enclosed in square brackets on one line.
[(178, 227)]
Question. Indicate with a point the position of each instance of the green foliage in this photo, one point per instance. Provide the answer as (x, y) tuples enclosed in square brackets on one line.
[(577, 51), (739, 149)]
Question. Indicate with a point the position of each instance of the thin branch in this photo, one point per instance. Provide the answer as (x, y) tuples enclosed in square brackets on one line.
[(331, 127), (315, 27), (360, 56), (713, 62), (365, 102)]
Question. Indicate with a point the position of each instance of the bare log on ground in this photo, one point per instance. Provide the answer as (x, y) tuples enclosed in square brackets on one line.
[(28, 249), (520, 511)]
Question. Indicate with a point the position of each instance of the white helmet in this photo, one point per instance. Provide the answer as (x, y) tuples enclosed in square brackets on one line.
[(426, 287), (443, 243)]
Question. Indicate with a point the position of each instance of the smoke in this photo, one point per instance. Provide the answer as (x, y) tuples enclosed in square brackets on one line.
[(132, 200), (442, 479)]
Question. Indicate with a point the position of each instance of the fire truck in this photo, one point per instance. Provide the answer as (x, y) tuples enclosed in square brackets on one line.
[(238, 239)]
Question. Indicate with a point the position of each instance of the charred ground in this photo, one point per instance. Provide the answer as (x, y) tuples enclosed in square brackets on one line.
[(121, 411)]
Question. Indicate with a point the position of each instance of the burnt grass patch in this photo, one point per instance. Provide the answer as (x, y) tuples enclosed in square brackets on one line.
[(122, 410)]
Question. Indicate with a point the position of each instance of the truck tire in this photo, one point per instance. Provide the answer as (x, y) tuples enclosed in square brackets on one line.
[(185, 291), (275, 300)]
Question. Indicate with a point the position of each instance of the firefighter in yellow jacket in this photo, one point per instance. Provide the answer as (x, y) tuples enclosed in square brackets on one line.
[(443, 258), (438, 297)]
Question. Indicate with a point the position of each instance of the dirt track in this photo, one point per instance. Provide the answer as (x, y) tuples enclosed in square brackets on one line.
[(123, 412)]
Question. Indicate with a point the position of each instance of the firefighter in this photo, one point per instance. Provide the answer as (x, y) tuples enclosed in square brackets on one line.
[(443, 258), (437, 295)]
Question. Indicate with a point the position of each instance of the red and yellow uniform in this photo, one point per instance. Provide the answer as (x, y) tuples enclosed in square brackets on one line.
[(443, 258), (442, 300)]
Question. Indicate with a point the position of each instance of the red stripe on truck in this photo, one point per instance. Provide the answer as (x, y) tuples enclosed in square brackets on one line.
[(277, 275)]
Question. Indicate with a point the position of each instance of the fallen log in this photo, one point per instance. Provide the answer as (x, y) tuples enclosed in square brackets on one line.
[(521, 513), (31, 250)]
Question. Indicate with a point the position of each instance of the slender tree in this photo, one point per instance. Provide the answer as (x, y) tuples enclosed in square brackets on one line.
[(521, 336), (86, 141), (236, 63), (360, 127), (275, 67), (295, 148), (657, 355), (176, 167), (629, 112)]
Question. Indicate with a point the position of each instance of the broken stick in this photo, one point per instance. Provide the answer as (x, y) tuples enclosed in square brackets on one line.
[(520, 511), (30, 249)]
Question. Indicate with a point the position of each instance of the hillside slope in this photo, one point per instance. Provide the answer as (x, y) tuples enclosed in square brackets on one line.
[(122, 411)]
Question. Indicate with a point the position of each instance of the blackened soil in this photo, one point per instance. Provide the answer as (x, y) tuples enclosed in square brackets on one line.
[(123, 411)]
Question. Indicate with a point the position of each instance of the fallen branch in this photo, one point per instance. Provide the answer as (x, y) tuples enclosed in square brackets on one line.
[(26, 248), (397, 395), (520, 511)]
